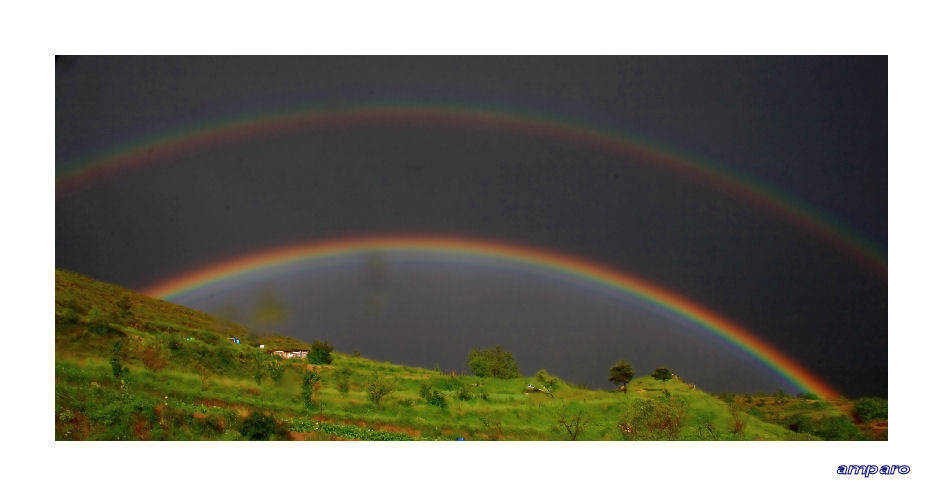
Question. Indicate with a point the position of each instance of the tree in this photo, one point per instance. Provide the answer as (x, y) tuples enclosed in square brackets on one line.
[(310, 385), (547, 381), (378, 387), (621, 372), (662, 374), (117, 359), (574, 423), (493, 363), (320, 353)]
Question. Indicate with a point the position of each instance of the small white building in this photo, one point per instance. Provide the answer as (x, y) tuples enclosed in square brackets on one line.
[(291, 353)]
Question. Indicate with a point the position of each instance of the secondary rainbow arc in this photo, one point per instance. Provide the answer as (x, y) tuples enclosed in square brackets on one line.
[(597, 273), (175, 142)]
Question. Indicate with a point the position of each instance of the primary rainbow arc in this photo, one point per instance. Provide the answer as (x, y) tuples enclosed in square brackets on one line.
[(597, 273)]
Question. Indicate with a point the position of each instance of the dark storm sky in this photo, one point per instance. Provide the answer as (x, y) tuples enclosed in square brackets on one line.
[(813, 127)]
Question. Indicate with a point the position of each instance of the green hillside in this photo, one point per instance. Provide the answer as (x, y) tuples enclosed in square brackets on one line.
[(129, 367)]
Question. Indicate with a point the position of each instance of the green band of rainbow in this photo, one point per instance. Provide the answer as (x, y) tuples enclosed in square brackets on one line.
[(162, 146), (596, 273)]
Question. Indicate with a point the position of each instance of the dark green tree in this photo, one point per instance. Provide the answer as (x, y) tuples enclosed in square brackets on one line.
[(320, 353), (493, 363), (622, 373), (662, 374)]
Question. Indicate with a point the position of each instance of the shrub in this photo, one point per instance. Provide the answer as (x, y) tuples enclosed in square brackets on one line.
[(493, 363), (310, 384), (432, 396), (799, 423), (342, 379), (275, 370), (871, 408), (653, 420), (838, 428), (98, 322), (320, 353), (464, 392), (258, 427), (379, 387), (547, 381)]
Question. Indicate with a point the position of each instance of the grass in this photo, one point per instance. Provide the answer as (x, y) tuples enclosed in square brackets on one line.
[(161, 394)]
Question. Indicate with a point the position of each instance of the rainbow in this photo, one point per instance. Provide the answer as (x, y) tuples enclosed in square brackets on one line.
[(533, 257), (162, 146)]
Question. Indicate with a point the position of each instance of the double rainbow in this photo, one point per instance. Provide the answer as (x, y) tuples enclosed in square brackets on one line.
[(531, 257), (179, 141)]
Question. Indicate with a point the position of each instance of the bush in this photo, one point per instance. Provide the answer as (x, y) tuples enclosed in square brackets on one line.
[(258, 427), (342, 379), (838, 428), (493, 363), (432, 396), (310, 384), (868, 409), (378, 387), (653, 420), (98, 322), (464, 392), (547, 381), (320, 353)]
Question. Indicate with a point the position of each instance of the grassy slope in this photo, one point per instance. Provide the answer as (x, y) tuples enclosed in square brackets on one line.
[(162, 395)]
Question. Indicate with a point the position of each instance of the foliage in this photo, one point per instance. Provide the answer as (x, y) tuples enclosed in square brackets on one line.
[(124, 307), (808, 396), (378, 387), (575, 423), (622, 373), (342, 379), (117, 359), (432, 396), (653, 420), (98, 322), (662, 374), (493, 363), (464, 392), (275, 370), (259, 427), (547, 381), (868, 409), (310, 384), (837, 428), (320, 353)]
